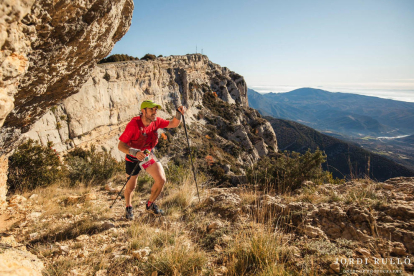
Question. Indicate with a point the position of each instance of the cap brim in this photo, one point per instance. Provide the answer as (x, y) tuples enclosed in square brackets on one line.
[(152, 106)]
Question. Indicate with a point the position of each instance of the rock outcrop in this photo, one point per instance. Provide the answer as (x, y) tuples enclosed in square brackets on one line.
[(47, 52), (379, 215), (59, 45), (15, 40), (16, 260)]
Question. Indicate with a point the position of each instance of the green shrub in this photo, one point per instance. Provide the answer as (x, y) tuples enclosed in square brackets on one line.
[(287, 172), (176, 173), (149, 57), (33, 165), (107, 77), (116, 58), (85, 165), (218, 107), (164, 147)]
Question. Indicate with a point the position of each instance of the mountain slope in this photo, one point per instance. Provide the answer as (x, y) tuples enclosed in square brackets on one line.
[(341, 112), (343, 159)]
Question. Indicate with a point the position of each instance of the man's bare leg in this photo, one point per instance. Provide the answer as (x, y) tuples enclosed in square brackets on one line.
[(129, 189), (157, 172)]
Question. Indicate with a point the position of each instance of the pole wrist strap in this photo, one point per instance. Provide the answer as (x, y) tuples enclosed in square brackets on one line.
[(133, 151)]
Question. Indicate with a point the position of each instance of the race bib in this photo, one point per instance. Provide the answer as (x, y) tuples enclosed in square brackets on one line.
[(148, 161)]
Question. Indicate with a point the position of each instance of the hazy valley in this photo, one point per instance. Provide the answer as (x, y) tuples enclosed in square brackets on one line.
[(373, 123)]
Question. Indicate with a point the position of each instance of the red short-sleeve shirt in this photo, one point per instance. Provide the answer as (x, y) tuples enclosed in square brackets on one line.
[(135, 129)]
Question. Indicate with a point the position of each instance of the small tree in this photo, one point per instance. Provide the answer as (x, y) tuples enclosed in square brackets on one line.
[(33, 165), (288, 171), (116, 58), (107, 77), (89, 164), (149, 57)]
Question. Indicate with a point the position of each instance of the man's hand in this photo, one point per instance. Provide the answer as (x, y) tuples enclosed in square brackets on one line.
[(136, 153), (182, 109), (140, 155), (179, 112)]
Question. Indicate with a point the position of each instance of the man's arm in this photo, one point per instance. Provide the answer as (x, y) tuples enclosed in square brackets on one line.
[(125, 149), (175, 122)]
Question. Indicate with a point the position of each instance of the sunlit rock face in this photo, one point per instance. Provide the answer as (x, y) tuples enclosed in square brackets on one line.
[(15, 44), (65, 40), (48, 50)]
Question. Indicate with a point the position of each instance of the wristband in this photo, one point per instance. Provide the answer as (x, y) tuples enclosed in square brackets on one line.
[(133, 151), (178, 115)]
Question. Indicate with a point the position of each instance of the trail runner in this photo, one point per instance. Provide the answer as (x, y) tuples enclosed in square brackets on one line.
[(141, 134)]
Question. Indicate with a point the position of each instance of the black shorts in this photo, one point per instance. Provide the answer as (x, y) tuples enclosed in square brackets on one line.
[(129, 167)]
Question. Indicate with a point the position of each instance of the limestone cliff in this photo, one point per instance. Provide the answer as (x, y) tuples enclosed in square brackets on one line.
[(213, 94), (47, 51)]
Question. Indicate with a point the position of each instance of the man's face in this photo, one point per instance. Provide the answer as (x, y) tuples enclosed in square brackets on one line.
[(150, 113)]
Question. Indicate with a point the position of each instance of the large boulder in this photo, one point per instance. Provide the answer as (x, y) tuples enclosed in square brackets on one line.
[(16, 260)]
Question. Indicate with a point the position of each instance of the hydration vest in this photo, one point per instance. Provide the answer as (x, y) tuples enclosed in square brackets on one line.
[(142, 140)]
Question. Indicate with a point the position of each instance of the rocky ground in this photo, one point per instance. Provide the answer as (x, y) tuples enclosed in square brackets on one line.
[(360, 227)]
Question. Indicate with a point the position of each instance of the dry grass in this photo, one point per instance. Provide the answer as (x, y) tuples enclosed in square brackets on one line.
[(311, 195), (60, 267), (258, 250), (248, 196), (60, 220), (180, 258), (365, 194), (140, 234), (172, 252), (181, 196)]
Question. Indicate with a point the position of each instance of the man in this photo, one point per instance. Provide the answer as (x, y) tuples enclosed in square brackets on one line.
[(141, 134)]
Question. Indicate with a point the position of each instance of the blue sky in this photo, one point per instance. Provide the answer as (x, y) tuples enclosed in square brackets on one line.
[(358, 46)]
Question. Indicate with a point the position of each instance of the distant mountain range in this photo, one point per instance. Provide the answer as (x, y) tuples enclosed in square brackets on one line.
[(343, 158), (349, 114)]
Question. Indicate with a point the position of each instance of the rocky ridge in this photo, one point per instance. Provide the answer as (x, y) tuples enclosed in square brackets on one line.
[(320, 229), (104, 105)]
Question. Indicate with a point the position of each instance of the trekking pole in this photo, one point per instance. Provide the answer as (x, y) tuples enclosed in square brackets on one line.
[(135, 168), (191, 158)]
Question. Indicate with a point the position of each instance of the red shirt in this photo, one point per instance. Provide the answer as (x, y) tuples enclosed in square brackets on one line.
[(142, 137)]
